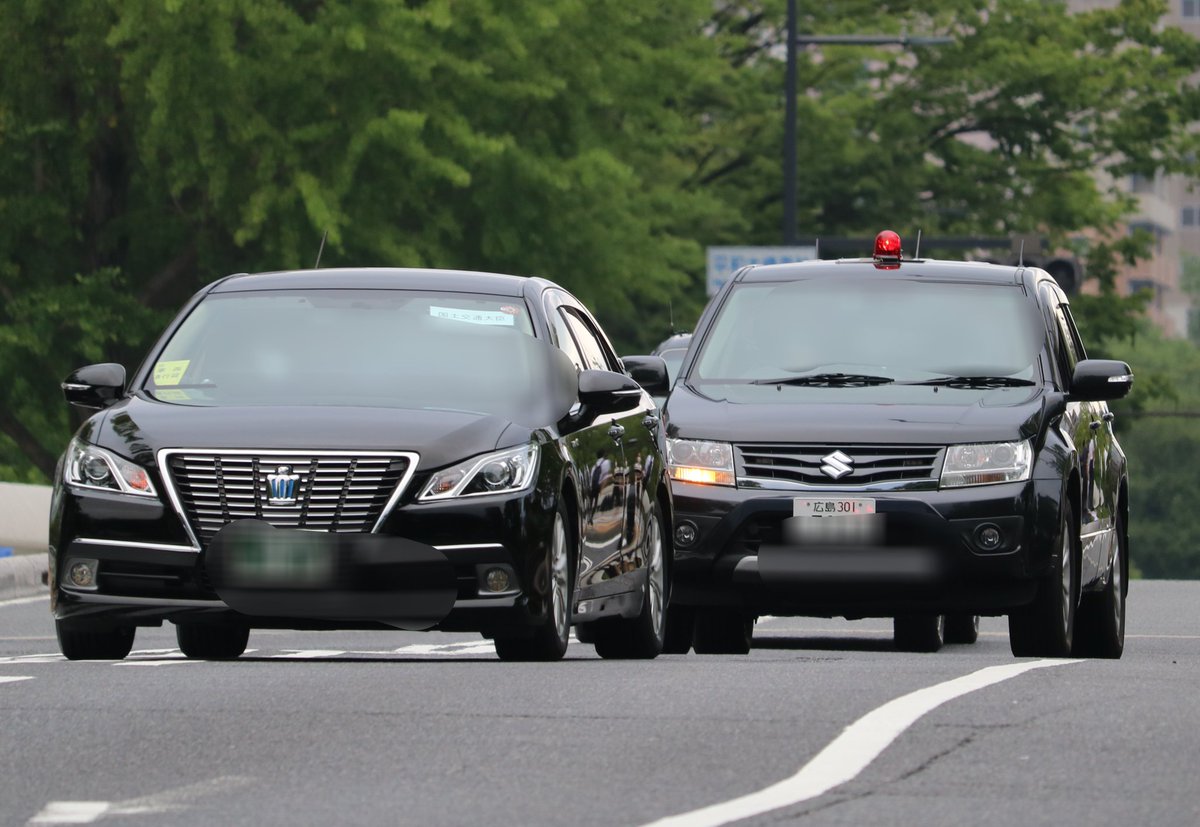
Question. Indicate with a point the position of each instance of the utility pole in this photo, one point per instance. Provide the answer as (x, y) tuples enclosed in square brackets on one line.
[(789, 133), (789, 124)]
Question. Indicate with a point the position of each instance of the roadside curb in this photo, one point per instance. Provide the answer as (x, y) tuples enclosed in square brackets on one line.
[(23, 575)]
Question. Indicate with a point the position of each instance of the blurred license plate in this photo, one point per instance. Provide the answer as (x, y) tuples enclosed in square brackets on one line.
[(835, 520), (282, 559), (832, 506)]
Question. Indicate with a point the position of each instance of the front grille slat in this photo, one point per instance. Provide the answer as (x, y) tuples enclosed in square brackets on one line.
[(343, 492), (870, 464)]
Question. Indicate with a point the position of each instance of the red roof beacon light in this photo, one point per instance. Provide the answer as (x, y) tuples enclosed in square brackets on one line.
[(887, 250)]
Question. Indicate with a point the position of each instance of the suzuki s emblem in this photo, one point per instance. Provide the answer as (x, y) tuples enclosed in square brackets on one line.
[(837, 465), (281, 486)]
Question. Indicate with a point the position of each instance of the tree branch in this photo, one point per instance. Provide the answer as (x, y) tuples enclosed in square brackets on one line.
[(27, 443)]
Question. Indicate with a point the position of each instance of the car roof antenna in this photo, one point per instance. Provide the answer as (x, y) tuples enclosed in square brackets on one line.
[(671, 315), (817, 248), (320, 250), (1021, 254), (917, 254)]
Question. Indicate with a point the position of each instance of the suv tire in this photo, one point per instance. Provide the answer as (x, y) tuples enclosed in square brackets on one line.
[(1046, 627)]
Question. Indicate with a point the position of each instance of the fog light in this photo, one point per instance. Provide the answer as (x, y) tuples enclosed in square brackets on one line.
[(989, 538), (685, 534), (498, 580), (82, 574)]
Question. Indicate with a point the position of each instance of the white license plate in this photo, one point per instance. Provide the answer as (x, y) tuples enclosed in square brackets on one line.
[(833, 520), (832, 506), (291, 559)]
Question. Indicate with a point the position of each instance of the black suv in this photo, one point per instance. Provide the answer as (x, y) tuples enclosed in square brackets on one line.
[(916, 439)]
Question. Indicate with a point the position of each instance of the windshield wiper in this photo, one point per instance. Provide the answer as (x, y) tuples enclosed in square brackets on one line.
[(977, 382), (828, 380)]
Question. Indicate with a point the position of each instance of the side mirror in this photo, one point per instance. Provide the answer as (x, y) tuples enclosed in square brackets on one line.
[(1100, 380), (650, 372), (95, 386), (603, 391)]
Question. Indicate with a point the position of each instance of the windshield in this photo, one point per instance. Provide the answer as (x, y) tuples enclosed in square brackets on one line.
[(378, 348), (872, 330)]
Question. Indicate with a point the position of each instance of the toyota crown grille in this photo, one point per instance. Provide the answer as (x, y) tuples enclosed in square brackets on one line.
[(340, 492), (775, 466)]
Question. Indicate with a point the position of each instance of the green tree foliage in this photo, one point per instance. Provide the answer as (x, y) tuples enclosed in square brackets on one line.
[(1160, 432), (149, 146)]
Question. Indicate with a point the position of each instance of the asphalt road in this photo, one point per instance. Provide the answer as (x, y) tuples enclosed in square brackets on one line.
[(430, 729)]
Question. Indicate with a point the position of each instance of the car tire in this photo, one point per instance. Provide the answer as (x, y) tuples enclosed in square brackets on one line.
[(1100, 625), (962, 628), (1046, 627), (642, 637), (722, 632), (681, 625), (210, 641), (919, 633), (79, 643), (549, 638)]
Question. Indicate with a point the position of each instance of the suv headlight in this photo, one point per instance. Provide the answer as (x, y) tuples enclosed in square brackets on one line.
[(502, 472), (986, 463), (88, 466), (694, 460)]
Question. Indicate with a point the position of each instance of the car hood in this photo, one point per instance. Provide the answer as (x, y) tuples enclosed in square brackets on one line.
[(884, 414), (138, 428)]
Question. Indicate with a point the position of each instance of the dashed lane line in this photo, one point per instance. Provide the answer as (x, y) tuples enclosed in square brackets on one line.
[(15, 678)]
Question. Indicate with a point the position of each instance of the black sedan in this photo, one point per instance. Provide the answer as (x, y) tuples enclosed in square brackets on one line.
[(367, 448)]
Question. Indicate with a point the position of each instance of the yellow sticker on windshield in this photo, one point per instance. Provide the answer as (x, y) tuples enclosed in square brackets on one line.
[(170, 373)]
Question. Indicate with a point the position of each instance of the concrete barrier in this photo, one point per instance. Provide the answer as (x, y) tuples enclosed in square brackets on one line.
[(24, 535), (22, 576)]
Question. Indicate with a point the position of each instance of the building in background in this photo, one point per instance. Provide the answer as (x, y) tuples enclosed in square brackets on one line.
[(1168, 208)]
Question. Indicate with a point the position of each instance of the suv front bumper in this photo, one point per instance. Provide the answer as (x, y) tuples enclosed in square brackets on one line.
[(928, 556)]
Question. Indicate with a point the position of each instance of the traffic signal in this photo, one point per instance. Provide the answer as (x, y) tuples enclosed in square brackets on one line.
[(1065, 269)]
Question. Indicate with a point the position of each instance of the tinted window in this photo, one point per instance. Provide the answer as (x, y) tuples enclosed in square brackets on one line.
[(389, 348), (902, 329), (589, 344)]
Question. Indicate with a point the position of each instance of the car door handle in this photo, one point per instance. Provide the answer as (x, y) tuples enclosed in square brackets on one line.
[(650, 422), (1109, 416), (1095, 424), (616, 431)]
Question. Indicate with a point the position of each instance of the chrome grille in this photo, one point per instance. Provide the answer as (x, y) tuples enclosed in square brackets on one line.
[(871, 464), (342, 492)]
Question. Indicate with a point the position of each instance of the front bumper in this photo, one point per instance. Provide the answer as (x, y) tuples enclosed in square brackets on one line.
[(927, 558), (147, 570)]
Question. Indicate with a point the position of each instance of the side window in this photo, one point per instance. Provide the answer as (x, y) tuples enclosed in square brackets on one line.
[(590, 346), (1076, 339), (566, 342), (1068, 351)]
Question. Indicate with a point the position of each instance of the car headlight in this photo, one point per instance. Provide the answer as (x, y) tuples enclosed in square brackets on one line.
[(503, 472), (986, 463), (88, 466), (694, 460)]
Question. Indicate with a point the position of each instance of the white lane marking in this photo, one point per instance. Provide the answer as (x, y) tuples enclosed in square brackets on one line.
[(87, 812), (850, 753), (70, 812), (446, 650), (21, 601), (31, 659), (15, 678), (301, 654)]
